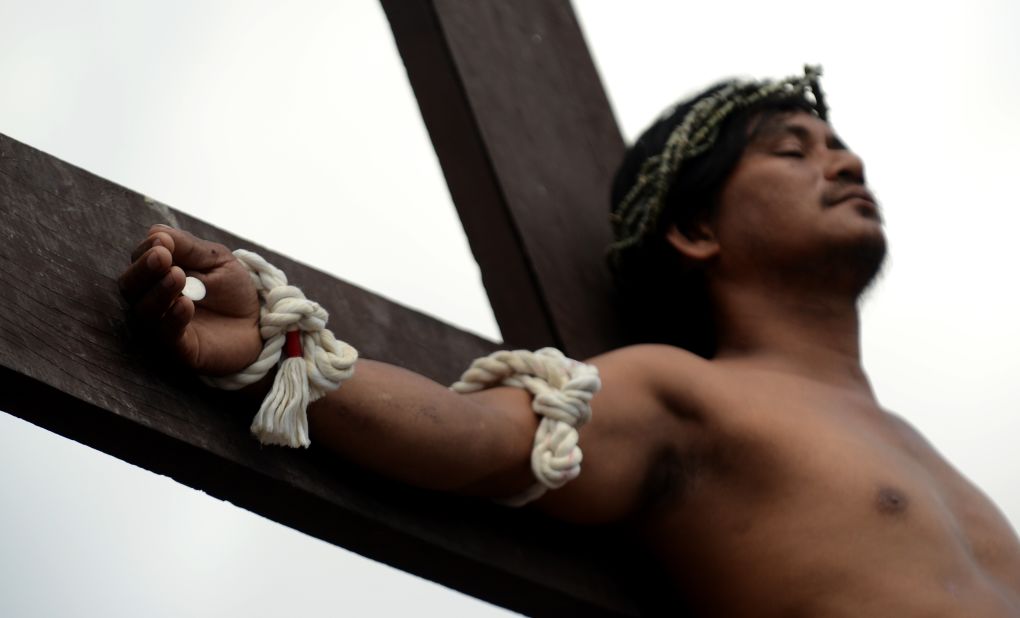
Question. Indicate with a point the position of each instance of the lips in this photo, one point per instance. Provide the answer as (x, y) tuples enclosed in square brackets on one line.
[(864, 201), (855, 193)]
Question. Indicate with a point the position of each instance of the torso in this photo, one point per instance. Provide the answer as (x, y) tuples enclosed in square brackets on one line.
[(799, 499)]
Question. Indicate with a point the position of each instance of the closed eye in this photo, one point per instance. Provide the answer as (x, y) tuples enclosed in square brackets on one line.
[(791, 153)]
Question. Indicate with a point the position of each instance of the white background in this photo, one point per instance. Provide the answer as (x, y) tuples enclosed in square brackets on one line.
[(293, 125)]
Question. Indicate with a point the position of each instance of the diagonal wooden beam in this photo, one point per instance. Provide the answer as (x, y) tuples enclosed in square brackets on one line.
[(70, 363), (528, 144)]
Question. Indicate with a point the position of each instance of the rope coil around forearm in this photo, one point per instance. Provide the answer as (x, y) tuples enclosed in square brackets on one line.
[(318, 365), (562, 390)]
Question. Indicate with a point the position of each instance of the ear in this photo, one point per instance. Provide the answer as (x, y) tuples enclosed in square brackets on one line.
[(698, 245)]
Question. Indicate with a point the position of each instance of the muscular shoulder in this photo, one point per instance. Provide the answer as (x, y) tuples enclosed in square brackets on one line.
[(675, 378), (650, 363)]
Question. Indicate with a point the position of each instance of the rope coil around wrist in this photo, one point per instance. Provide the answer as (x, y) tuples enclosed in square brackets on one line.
[(314, 361), (562, 390)]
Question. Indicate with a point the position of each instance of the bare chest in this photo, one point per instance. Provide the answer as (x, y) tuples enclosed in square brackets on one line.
[(851, 499)]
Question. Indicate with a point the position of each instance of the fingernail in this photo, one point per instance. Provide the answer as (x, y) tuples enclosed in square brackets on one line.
[(168, 280), (156, 242), (152, 260)]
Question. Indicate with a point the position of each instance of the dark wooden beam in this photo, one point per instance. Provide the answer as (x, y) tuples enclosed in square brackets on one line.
[(70, 363), (528, 144)]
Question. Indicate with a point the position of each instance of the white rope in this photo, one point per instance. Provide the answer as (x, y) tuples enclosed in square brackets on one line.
[(324, 364), (562, 389)]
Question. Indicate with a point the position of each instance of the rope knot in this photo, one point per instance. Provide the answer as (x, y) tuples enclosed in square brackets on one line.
[(287, 308), (316, 363), (562, 390)]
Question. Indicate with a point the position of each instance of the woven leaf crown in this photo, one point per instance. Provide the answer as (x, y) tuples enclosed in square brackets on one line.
[(637, 216)]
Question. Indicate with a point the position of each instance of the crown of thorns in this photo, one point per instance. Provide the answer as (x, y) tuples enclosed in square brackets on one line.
[(636, 216)]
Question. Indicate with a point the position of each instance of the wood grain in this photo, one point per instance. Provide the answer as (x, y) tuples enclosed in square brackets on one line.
[(528, 144), (71, 363)]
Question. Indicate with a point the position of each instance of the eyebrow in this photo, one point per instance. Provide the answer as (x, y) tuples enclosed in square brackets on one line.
[(772, 130)]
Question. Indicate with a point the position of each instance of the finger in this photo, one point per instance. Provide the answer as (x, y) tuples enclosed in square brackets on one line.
[(193, 253), (176, 333), (157, 237), (145, 273), (155, 302), (174, 322)]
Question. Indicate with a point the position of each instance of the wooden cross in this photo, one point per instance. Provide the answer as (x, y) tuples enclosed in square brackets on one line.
[(527, 142)]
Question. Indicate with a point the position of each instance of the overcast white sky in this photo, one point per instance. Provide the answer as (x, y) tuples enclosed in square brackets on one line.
[(293, 124)]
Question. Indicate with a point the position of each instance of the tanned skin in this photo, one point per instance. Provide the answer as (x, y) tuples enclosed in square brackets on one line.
[(768, 480)]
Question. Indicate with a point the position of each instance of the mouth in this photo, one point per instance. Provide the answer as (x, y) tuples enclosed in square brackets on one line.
[(861, 200)]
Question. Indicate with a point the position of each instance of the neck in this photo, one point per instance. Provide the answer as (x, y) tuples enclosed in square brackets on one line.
[(815, 335)]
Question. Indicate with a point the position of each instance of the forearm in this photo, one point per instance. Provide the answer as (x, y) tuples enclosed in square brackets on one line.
[(409, 428)]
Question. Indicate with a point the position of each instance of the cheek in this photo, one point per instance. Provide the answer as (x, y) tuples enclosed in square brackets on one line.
[(766, 210), (752, 203), (776, 193)]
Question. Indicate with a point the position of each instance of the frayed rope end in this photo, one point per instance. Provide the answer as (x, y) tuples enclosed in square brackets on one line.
[(283, 418)]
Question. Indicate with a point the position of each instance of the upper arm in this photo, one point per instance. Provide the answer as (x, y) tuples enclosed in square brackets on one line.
[(637, 421)]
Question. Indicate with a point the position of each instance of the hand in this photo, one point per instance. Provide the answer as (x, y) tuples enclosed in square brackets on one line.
[(217, 336)]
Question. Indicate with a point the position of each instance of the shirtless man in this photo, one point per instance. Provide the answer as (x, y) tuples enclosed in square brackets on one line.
[(764, 474)]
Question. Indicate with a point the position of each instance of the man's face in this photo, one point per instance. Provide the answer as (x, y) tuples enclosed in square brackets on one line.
[(796, 204)]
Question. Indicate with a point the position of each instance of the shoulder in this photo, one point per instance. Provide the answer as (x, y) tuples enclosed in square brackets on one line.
[(673, 377), (638, 415), (650, 362), (650, 353)]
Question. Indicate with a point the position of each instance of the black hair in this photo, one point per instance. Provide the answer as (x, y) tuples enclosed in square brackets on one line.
[(663, 298)]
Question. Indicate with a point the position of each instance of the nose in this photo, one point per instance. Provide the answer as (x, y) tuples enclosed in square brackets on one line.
[(844, 165)]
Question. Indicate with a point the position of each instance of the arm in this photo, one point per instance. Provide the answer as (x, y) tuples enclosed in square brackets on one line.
[(412, 429), (393, 421), (634, 425)]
